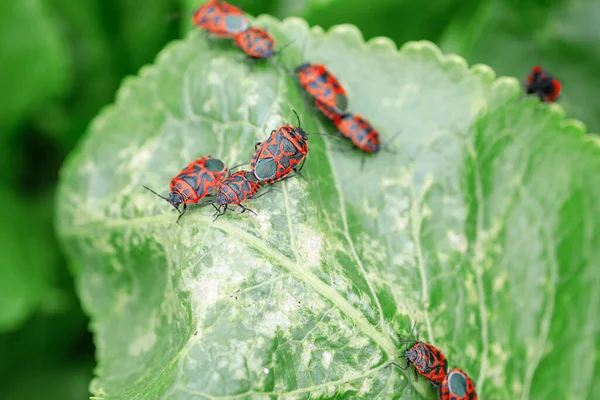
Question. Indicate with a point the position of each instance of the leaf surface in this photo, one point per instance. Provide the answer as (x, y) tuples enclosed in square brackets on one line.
[(479, 225)]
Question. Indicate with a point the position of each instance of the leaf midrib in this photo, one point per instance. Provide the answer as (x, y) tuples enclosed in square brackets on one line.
[(293, 392), (353, 252), (294, 268)]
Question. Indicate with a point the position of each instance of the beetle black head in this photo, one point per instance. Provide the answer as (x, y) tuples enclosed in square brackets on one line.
[(299, 129), (302, 134), (301, 67), (220, 200), (411, 355), (175, 200)]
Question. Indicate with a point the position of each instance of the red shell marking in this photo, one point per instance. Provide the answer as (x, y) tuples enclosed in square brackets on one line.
[(256, 42), (198, 179), (542, 84), (236, 188), (457, 386), (359, 131), (194, 182), (428, 361), (322, 85), (330, 112), (283, 152), (221, 19)]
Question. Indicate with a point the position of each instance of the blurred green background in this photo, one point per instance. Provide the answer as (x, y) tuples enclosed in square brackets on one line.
[(61, 61)]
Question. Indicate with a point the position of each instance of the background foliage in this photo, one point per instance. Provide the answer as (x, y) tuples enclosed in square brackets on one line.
[(62, 60)]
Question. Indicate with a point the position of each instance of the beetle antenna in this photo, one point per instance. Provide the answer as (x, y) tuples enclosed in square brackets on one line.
[(284, 46), (174, 16), (304, 48), (325, 134), (298, 118), (178, 15), (162, 197), (314, 133), (237, 166), (386, 147), (536, 54), (395, 136), (207, 202), (413, 331), (410, 336), (302, 61)]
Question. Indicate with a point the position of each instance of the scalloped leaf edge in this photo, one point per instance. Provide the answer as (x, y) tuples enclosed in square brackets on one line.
[(503, 89)]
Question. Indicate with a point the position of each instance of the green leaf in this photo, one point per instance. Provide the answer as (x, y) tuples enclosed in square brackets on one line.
[(481, 226), (35, 63), (560, 37)]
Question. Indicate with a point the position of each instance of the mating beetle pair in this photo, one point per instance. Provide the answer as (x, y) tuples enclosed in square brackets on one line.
[(274, 160), (224, 20), (431, 363), (542, 84), (329, 97), (205, 175)]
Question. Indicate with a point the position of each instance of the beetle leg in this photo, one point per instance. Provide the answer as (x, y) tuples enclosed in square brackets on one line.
[(404, 368), (299, 174), (263, 193), (301, 165), (286, 177), (299, 169), (251, 62), (236, 167), (181, 212), (219, 212), (245, 208)]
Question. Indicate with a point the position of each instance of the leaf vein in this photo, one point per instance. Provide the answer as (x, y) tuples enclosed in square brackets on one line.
[(294, 268), (478, 257), (346, 233)]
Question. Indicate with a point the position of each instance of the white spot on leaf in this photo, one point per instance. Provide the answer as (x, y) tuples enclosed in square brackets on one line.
[(366, 387), (327, 356), (499, 281), (204, 292), (312, 244), (142, 344), (457, 241), (214, 79), (401, 223), (470, 351)]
